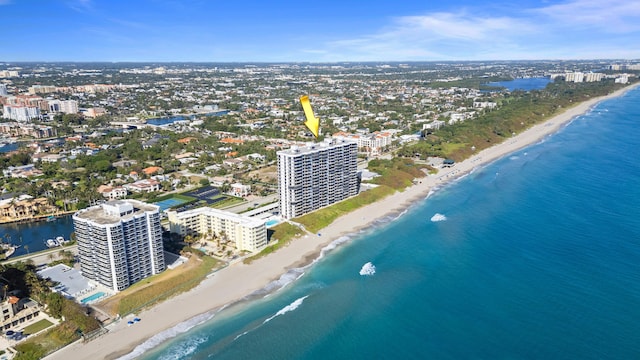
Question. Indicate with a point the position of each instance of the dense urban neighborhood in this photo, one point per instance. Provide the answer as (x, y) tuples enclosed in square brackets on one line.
[(214, 162), (97, 131)]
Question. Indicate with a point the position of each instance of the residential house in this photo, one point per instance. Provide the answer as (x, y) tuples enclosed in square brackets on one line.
[(112, 192), (18, 312), (238, 189), (144, 185), (151, 170), (24, 206)]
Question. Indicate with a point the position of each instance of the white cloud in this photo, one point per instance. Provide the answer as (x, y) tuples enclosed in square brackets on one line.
[(579, 28), (609, 16), (81, 5), (437, 36)]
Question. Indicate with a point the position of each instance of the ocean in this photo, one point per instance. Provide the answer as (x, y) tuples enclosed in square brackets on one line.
[(535, 256)]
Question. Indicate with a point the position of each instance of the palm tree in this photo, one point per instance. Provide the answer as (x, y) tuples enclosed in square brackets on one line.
[(189, 240)]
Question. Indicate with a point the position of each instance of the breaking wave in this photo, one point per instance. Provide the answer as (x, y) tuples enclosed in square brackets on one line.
[(368, 269), (438, 217), (185, 348), (294, 305)]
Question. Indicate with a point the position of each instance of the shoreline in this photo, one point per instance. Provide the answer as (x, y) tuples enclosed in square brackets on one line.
[(36, 218), (239, 281)]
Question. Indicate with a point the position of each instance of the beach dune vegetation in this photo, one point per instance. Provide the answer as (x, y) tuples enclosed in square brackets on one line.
[(160, 287), (518, 111)]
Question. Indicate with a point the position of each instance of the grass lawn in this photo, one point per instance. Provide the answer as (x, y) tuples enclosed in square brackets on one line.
[(320, 219), (160, 287), (449, 148), (228, 201), (40, 325), (282, 235)]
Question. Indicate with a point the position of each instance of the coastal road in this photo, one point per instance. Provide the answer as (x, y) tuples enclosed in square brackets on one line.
[(44, 256)]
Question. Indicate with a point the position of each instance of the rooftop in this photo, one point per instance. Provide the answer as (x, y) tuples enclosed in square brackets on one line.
[(71, 281), (313, 147), (115, 210)]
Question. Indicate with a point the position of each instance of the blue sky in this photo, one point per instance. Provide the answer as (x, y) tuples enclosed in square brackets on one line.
[(317, 31)]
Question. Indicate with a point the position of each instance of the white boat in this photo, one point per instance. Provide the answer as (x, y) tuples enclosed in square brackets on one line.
[(8, 249), (61, 240), (52, 243)]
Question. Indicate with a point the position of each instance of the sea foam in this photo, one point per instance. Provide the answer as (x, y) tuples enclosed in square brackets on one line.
[(294, 305), (184, 350), (368, 269), (438, 217), (163, 336)]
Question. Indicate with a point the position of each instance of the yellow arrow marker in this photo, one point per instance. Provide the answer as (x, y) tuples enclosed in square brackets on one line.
[(313, 123)]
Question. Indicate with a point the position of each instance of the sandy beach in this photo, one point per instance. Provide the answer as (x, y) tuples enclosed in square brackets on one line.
[(239, 280)]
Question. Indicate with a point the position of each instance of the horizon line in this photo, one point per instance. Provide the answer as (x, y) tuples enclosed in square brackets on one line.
[(307, 62)]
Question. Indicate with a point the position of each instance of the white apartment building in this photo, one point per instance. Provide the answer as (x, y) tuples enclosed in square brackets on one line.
[(119, 242), (593, 77), (372, 143), (434, 125), (583, 77), (20, 113), (316, 176), (8, 73), (63, 106), (623, 79), (577, 77), (41, 89), (3, 90), (247, 233)]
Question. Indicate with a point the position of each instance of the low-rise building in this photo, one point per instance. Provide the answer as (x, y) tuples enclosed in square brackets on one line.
[(248, 234), (238, 189), (144, 185), (24, 207), (18, 311), (112, 192)]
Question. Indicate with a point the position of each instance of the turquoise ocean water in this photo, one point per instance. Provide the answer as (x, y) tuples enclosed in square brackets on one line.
[(535, 256)]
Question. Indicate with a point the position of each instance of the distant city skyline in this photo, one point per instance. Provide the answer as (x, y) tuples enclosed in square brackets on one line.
[(328, 31)]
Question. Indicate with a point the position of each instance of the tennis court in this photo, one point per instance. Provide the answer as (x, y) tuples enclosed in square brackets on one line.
[(169, 203)]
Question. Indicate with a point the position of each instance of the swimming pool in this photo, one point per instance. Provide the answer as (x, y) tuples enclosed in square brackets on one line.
[(93, 297), (272, 222)]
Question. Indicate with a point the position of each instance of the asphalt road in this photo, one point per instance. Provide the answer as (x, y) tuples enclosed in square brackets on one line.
[(44, 256)]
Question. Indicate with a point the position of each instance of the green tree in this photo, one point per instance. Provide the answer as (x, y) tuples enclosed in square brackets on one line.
[(55, 303)]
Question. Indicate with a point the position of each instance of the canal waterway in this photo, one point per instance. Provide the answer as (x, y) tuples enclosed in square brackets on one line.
[(9, 147), (32, 236), (524, 84)]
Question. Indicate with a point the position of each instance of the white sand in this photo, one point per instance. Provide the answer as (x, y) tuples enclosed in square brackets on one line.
[(239, 280)]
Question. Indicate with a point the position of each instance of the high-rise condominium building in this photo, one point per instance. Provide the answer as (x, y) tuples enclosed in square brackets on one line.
[(119, 242), (316, 175), (20, 113), (63, 106)]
